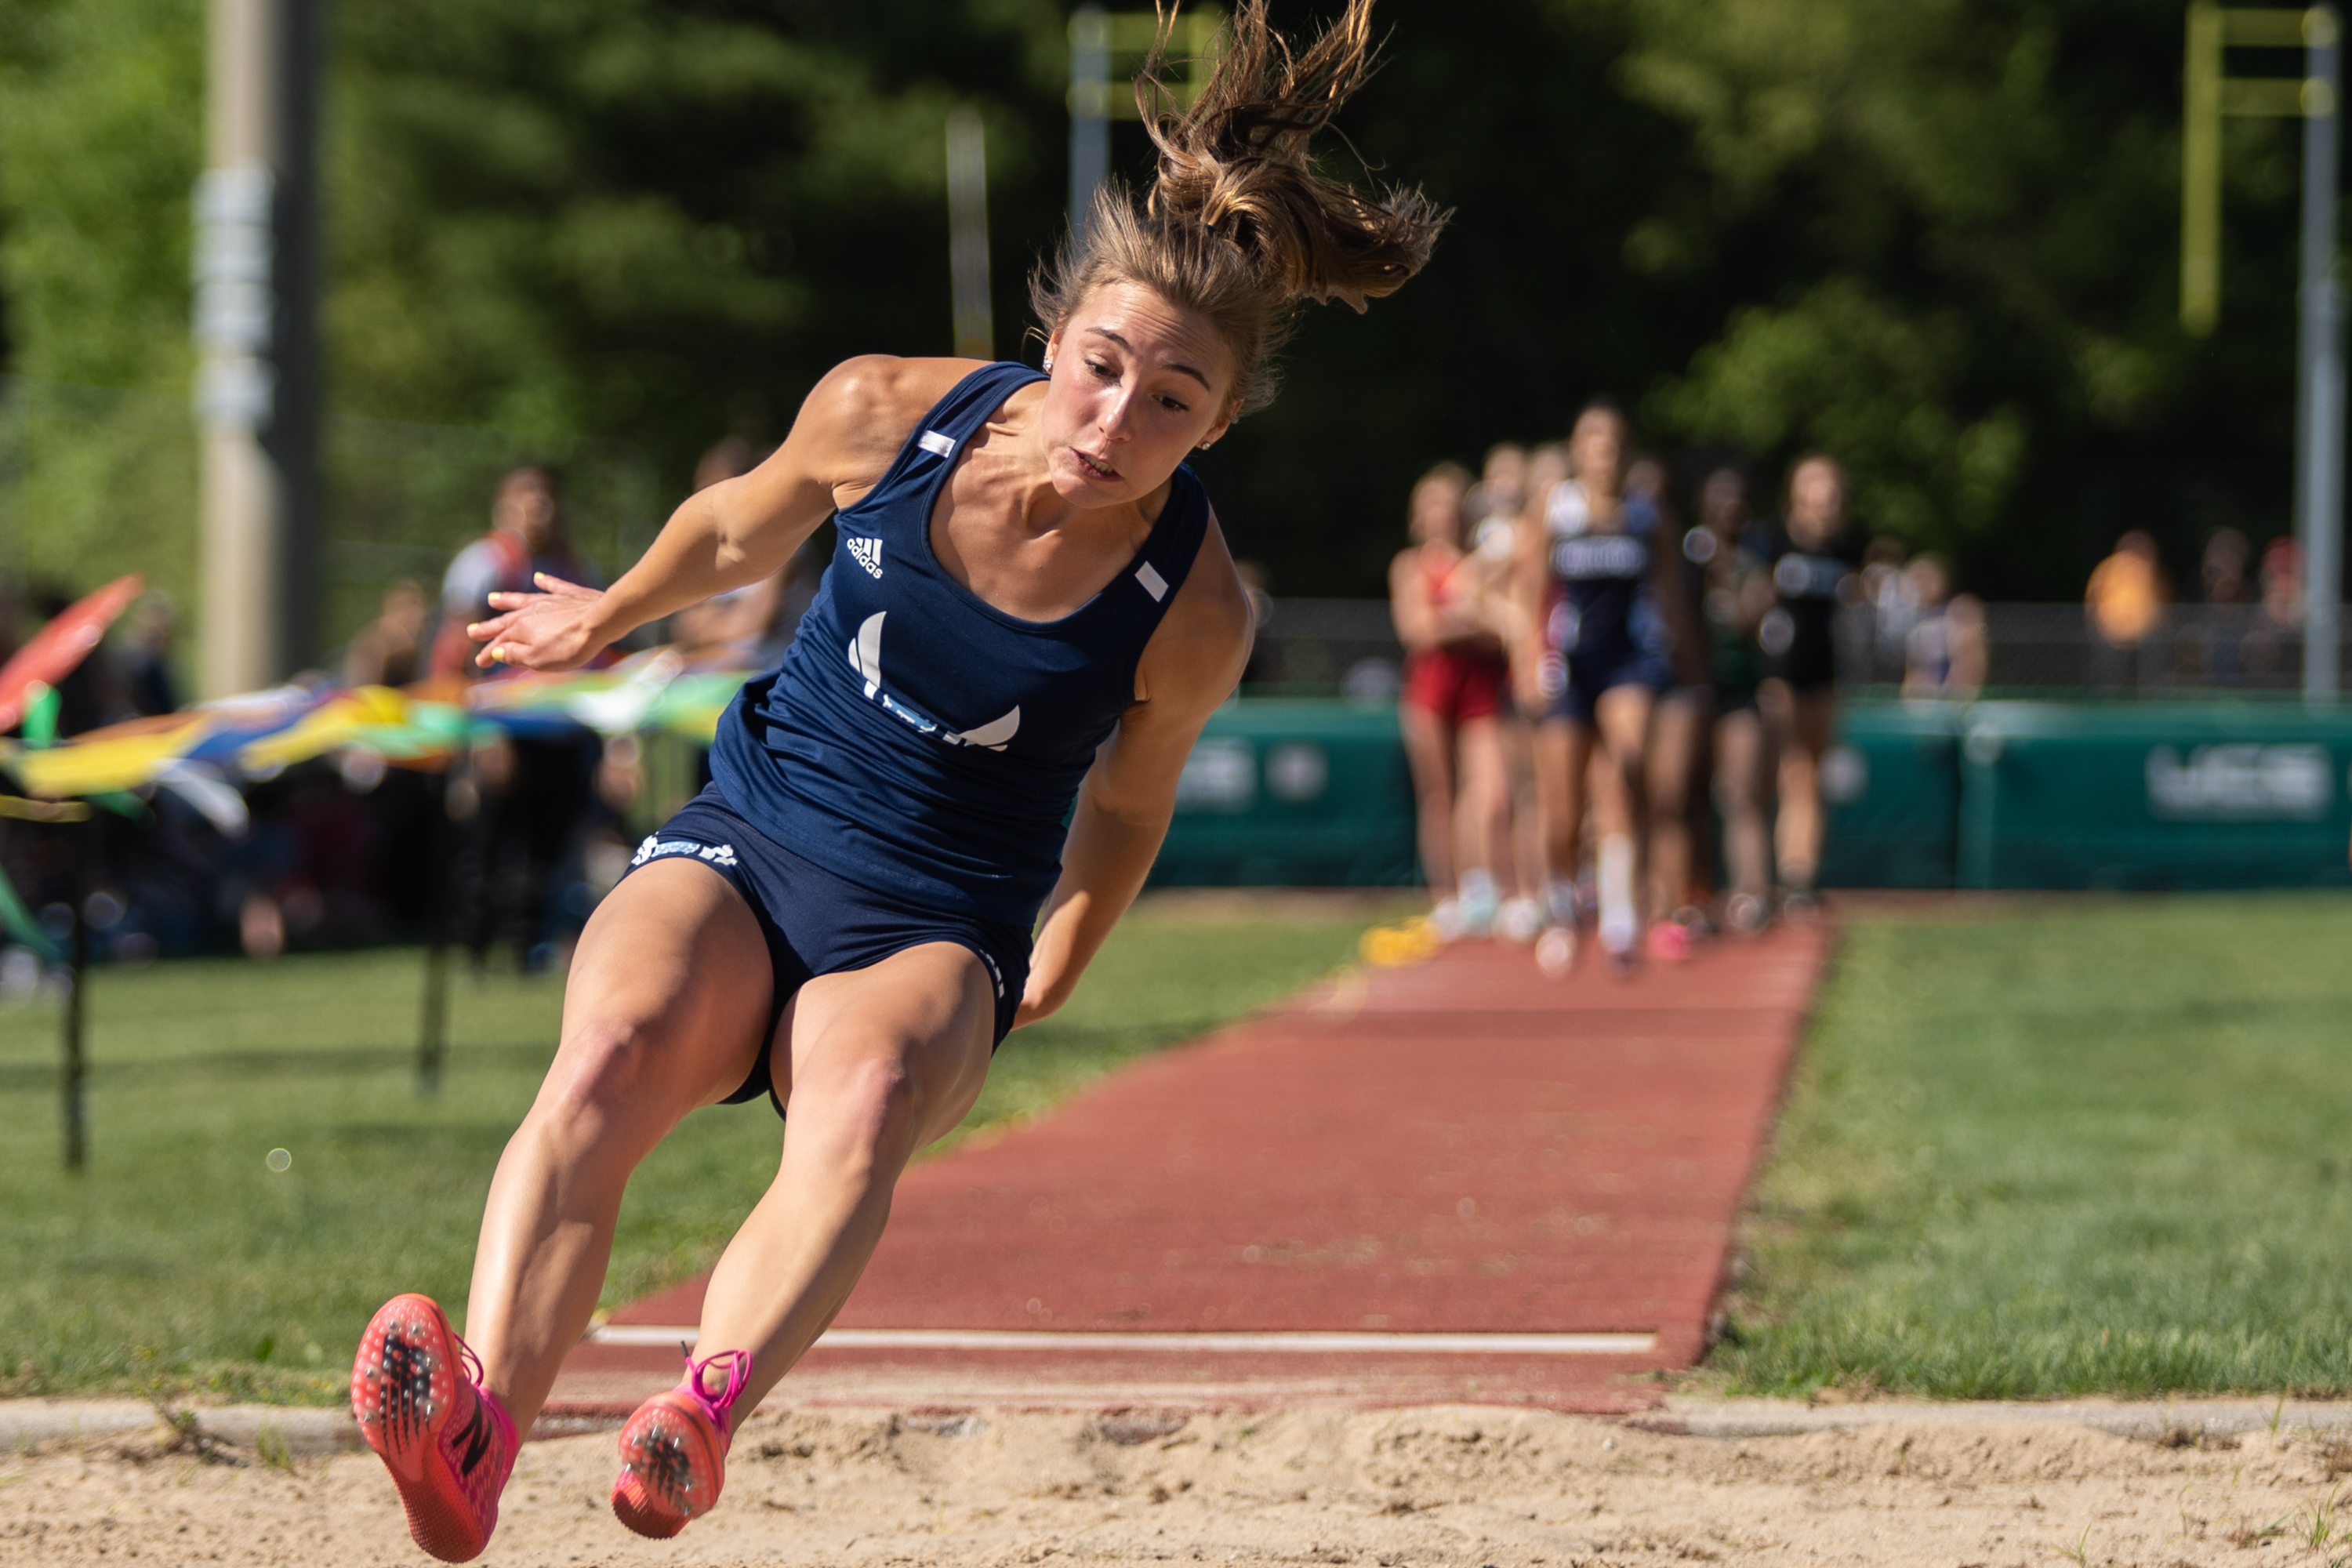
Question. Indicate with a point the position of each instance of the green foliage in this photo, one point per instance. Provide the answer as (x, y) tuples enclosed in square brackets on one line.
[(2095, 1148), (1937, 236), (181, 1257), (99, 145)]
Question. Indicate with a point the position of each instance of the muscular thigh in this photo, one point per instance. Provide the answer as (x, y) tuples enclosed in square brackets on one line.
[(927, 1016), (670, 990)]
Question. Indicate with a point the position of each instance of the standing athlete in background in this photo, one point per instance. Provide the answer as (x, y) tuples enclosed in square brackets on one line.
[(1029, 615), (1440, 595), (1811, 578), (1735, 593), (1595, 662)]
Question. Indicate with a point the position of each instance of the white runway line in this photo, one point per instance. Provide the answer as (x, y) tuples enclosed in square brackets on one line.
[(1179, 1345)]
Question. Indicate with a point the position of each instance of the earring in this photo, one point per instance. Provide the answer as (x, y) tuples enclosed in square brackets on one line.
[(1049, 364)]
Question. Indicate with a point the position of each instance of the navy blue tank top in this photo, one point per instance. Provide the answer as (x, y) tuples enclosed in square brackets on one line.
[(918, 741), (1605, 610)]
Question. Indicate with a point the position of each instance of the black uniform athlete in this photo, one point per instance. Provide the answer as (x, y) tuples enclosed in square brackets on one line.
[(1812, 576)]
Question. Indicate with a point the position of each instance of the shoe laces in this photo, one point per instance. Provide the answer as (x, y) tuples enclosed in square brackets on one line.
[(719, 1406)]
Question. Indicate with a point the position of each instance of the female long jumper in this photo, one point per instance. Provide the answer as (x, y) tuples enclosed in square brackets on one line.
[(1030, 609)]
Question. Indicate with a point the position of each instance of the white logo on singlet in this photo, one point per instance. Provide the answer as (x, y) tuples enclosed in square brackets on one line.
[(867, 552), (865, 659)]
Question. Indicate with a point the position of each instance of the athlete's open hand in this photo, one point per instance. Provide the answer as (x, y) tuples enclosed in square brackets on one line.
[(555, 629)]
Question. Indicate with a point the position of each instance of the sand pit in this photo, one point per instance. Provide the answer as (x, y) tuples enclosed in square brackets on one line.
[(1442, 1486)]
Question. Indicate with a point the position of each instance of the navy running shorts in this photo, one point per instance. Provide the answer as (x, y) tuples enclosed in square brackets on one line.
[(1588, 679), (816, 923)]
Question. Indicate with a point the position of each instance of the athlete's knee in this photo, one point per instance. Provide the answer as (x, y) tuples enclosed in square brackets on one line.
[(870, 1109), (607, 1067)]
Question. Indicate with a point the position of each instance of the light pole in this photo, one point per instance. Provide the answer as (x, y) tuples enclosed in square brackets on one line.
[(975, 327), (2316, 97), (256, 392), (1094, 38)]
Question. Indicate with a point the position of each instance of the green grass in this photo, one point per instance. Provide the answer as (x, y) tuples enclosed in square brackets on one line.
[(2097, 1146), (180, 1259)]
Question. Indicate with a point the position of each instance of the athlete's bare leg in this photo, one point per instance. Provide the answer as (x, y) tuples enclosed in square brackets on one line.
[(882, 1061), (1563, 757), (1740, 789), (1802, 722), (1429, 753), (1622, 713), (1676, 732), (666, 1010), (1483, 811)]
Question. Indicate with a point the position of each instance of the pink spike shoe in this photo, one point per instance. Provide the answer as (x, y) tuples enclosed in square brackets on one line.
[(674, 1450), (416, 1391)]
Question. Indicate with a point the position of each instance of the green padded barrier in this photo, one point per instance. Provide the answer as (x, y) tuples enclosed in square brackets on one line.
[(2153, 796), (1285, 792), (1892, 788)]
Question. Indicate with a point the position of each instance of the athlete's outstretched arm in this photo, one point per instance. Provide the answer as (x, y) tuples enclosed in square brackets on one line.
[(1193, 664), (737, 532)]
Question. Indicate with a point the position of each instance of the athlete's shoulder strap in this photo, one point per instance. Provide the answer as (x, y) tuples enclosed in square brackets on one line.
[(932, 444), (965, 409)]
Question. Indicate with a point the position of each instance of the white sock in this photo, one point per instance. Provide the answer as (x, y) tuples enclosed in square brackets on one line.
[(1619, 923), (1559, 900), (1478, 889)]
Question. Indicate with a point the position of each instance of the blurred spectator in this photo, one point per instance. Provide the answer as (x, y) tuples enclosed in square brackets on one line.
[(148, 664), (2224, 568), (529, 535), (523, 803), (2270, 643), (1439, 594), (1495, 503), (2127, 594), (390, 649), (1886, 589), (1944, 653), (751, 626)]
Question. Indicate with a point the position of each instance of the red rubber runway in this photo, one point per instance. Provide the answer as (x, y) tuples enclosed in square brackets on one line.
[(1462, 1148)]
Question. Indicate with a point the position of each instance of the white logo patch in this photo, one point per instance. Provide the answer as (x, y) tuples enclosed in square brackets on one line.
[(656, 847), (1153, 582), (994, 733), (867, 552), (937, 443), (865, 653), (865, 659)]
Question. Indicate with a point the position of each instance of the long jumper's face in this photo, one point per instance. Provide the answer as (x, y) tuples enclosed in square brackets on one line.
[(1136, 383)]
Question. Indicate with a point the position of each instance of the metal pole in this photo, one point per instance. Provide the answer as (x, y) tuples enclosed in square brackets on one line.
[(256, 325), (1089, 112), (2321, 435), (76, 1072), (433, 1026), (2200, 171), (975, 329)]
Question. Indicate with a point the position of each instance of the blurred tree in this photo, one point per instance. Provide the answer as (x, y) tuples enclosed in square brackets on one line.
[(1958, 223), (1934, 235), (101, 138)]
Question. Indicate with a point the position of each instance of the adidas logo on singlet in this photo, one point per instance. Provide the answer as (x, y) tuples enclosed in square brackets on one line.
[(867, 552)]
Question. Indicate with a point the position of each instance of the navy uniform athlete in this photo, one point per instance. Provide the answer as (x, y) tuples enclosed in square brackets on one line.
[(1812, 576), (1596, 659), (1029, 615)]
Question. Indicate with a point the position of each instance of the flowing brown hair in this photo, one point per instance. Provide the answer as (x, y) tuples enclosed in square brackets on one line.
[(1239, 226)]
